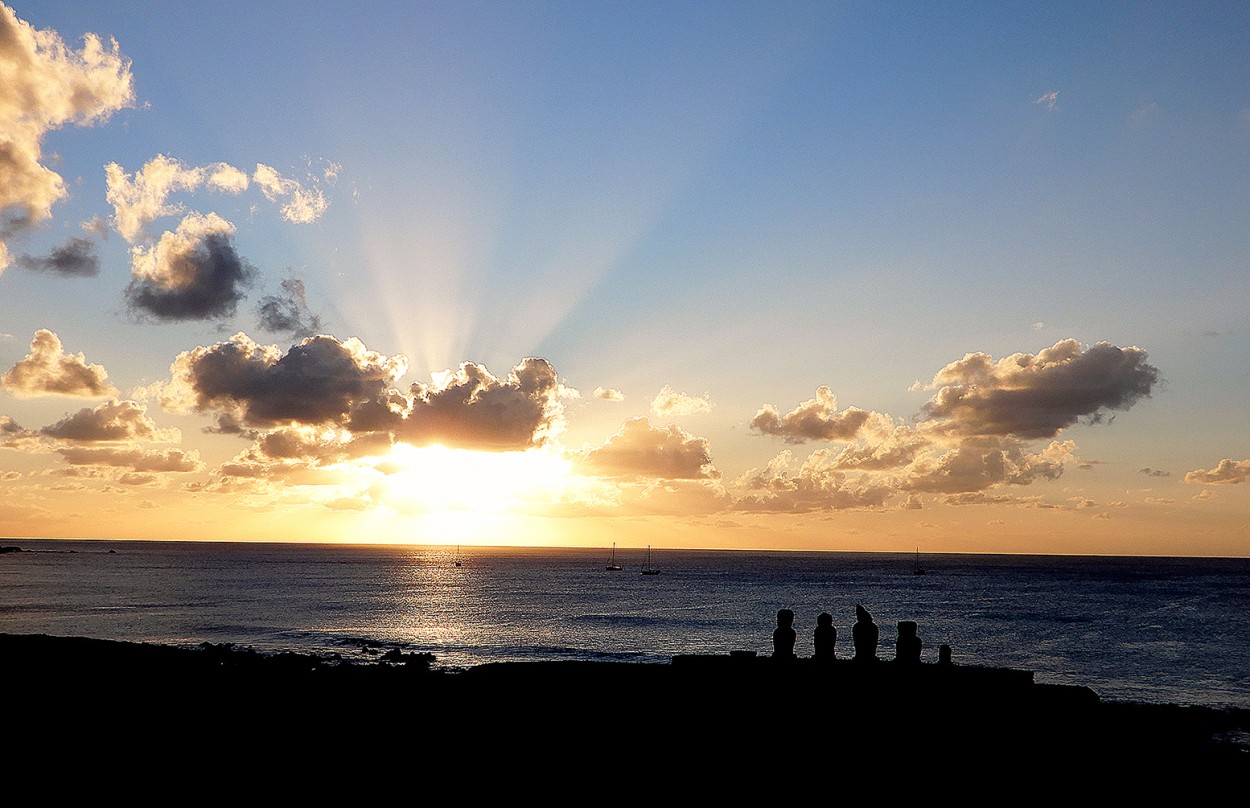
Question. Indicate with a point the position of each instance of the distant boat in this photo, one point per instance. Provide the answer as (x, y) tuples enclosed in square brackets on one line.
[(649, 570), (916, 568), (612, 565), (457, 555)]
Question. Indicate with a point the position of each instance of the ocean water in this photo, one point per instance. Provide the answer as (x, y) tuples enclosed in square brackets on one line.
[(1160, 630)]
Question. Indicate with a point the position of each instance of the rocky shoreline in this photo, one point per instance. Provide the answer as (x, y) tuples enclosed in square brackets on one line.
[(734, 707)]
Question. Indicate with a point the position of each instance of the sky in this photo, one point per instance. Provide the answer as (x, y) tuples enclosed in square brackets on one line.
[(905, 277)]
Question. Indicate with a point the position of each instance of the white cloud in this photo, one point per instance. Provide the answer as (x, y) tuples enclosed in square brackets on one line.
[(45, 84), (48, 371), (668, 403), (297, 203)]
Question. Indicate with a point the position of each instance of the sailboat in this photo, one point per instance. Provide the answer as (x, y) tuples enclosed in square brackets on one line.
[(916, 568), (649, 570), (457, 555), (612, 565)]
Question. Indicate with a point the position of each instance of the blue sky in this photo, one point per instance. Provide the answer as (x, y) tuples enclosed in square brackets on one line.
[(742, 202)]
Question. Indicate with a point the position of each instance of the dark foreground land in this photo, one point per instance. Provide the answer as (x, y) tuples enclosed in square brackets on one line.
[(753, 721)]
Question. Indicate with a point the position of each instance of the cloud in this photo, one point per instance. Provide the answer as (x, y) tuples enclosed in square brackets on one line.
[(288, 313), (139, 460), (1228, 471), (1029, 396), (45, 85), (75, 258), (1149, 472), (193, 273), (608, 394), (816, 419), (642, 450), (669, 403), (983, 462), (139, 200), (48, 371), (472, 409), (818, 485), (298, 204), (1049, 100), (111, 421), (321, 381)]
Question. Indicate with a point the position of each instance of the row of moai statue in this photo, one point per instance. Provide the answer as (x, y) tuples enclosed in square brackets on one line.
[(864, 635)]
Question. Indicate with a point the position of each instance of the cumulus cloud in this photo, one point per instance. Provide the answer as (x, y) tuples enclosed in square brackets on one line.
[(608, 394), (288, 313), (138, 460), (47, 84), (298, 203), (140, 199), (817, 485), (472, 409), (669, 403), (816, 419), (1227, 471), (643, 450), (980, 463), (112, 421), (320, 381), (1029, 396), (48, 371), (75, 258), (193, 273)]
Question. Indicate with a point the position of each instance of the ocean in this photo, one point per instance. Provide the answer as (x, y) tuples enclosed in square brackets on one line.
[(1156, 630)]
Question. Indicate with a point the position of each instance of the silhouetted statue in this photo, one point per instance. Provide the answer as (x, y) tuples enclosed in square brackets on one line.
[(865, 635), (824, 638), (783, 635), (944, 654), (907, 646)]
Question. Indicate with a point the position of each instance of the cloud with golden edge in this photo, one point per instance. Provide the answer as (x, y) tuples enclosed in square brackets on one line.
[(642, 450), (48, 371), (669, 403), (1226, 472), (298, 204), (193, 273), (817, 419), (608, 394), (1035, 396), (143, 197), (111, 422), (47, 84)]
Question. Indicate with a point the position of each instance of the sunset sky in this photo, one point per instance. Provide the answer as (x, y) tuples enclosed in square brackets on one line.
[(841, 276)]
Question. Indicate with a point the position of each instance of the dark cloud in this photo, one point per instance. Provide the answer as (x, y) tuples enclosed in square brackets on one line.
[(641, 450), (191, 274), (321, 381), (137, 460), (1149, 472), (48, 371), (816, 419), (1030, 397), (75, 258), (288, 313), (472, 409), (111, 421), (1228, 471)]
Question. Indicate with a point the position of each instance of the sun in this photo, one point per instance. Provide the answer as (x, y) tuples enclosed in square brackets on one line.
[(440, 480)]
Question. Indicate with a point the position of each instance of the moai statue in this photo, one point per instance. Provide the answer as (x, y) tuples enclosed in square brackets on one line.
[(907, 646), (783, 635), (824, 638), (865, 635)]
